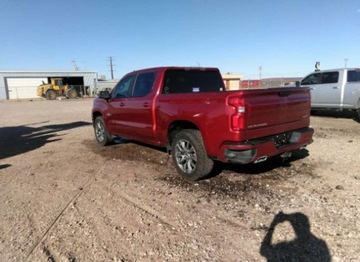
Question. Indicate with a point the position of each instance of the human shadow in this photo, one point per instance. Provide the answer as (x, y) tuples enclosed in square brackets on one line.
[(16, 140), (305, 247)]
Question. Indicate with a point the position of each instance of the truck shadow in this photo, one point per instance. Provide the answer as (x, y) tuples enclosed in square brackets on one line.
[(127, 149), (17, 140), (304, 247), (336, 114), (5, 166), (260, 168)]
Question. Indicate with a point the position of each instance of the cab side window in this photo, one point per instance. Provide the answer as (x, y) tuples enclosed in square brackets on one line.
[(144, 84), (321, 78), (311, 79), (353, 76), (122, 89), (330, 78)]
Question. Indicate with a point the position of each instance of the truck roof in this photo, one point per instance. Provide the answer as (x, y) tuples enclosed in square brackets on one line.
[(163, 68), (337, 69)]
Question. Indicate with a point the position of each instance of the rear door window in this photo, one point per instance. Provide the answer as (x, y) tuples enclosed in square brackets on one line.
[(353, 75)]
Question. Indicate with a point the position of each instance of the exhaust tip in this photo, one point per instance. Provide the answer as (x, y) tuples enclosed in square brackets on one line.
[(260, 159), (286, 154)]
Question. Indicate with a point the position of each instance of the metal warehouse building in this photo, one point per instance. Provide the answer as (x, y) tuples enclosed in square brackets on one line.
[(23, 84)]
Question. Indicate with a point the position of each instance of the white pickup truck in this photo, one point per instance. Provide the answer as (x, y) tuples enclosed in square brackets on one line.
[(336, 89)]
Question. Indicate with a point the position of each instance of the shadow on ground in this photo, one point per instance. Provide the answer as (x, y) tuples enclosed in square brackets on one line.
[(305, 246), (139, 152), (263, 167), (226, 180), (16, 140), (337, 114)]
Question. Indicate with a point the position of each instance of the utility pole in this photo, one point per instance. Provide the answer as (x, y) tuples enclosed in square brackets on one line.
[(111, 67), (75, 66), (346, 60)]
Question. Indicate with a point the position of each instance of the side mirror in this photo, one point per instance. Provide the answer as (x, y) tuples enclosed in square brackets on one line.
[(297, 83), (104, 95)]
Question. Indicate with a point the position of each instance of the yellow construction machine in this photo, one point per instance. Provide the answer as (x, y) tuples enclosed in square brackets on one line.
[(56, 88)]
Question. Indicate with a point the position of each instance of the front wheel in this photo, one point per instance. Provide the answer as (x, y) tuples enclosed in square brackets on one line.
[(189, 155), (102, 136), (50, 94)]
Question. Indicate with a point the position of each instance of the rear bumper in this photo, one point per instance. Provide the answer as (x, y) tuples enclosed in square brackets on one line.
[(258, 150)]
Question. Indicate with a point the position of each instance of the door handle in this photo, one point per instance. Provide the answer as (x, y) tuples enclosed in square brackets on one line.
[(122, 104), (335, 87), (146, 104)]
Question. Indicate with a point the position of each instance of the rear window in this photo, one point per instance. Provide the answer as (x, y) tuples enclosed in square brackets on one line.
[(192, 81), (353, 75)]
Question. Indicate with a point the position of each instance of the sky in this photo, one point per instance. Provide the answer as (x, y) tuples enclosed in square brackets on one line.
[(282, 37)]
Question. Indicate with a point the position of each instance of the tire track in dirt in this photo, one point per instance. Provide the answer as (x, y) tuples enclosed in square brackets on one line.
[(132, 201), (81, 191)]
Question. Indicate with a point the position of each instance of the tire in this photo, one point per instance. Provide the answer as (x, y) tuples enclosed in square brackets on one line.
[(71, 94), (358, 114), (102, 136), (50, 94), (189, 155)]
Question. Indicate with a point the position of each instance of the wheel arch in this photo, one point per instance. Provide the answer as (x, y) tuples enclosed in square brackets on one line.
[(176, 127), (95, 114), (357, 110)]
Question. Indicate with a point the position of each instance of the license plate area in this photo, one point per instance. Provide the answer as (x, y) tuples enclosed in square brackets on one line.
[(286, 138), (282, 139)]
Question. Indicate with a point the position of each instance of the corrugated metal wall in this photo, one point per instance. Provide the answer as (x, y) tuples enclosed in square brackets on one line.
[(90, 78), (107, 84)]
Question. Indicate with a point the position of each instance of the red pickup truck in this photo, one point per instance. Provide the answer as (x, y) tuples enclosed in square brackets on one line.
[(189, 111)]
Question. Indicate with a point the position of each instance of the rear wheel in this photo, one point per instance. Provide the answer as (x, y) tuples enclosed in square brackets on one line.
[(189, 155), (102, 136), (71, 93), (50, 94)]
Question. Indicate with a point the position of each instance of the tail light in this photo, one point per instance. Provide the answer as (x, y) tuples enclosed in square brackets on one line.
[(237, 117)]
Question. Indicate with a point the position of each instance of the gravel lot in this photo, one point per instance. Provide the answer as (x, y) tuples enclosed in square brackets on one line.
[(63, 198)]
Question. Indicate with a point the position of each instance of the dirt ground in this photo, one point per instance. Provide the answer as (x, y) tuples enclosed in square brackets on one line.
[(63, 198)]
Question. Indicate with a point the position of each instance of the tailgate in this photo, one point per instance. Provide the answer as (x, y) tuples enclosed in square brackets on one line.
[(274, 110)]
